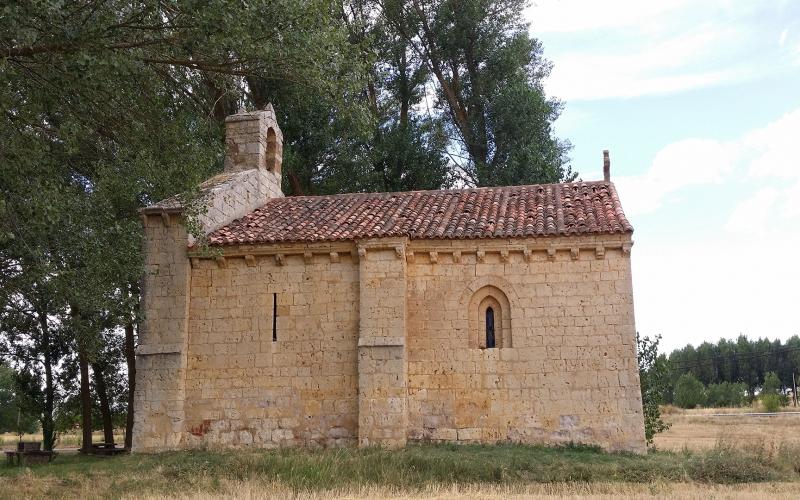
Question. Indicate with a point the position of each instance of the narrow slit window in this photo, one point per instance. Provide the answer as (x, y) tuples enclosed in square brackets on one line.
[(274, 317), (489, 328)]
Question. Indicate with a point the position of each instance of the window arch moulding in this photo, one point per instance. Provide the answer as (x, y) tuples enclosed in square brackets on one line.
[(486, 297)]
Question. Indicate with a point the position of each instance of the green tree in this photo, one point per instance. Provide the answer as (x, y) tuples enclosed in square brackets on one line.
[(487, 72), (726, 394), (654, 381), (14, 415), (109, 106), (747, 364), (689, 392), (31, 335), (771, 395), (772, 384), (743, 361)]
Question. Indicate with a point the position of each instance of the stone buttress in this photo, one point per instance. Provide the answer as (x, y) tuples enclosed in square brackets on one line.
[(251, 176), (382, 358)]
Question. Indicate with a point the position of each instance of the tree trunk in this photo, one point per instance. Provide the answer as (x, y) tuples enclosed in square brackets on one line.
[(130, 358), (479, 144), (86, 400), (105, 407), (297, 188), (48, 428), (404, 88)]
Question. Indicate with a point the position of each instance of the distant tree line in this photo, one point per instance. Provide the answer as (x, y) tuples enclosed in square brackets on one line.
[(743, 362), (723, 374)]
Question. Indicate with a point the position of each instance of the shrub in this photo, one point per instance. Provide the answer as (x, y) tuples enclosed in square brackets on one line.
[(729, 464), (770, 402), (689, 392), (654, 382), (772, 384), (725, 394)]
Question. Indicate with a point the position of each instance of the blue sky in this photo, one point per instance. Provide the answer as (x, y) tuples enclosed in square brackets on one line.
[(699, 105)]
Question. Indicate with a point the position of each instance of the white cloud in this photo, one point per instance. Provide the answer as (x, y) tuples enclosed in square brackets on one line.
[(548, 16), (791, 202), (776, 148), (767, 154), (771, 155), (675, 167), (750, 215), (732, 277), (630, 48), (708, 289)]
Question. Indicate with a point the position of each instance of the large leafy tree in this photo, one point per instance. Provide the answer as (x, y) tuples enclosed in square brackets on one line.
[(108, 106), (15, 414), (486, 72)]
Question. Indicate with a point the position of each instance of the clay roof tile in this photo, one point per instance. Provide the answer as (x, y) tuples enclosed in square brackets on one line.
[(491, 212)]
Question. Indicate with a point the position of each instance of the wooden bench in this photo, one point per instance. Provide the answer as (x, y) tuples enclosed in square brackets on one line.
[(29, 457), (106, 449)]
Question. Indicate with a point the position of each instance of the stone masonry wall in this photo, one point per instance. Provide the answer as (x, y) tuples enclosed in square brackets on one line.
[(243, 388), (230, 196), (377, 343), (161, 354), (571, 374), (382, 377), (252, 176)]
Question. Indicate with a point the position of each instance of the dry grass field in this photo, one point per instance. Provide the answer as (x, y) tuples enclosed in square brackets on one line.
[(701, 457), (251, 490), (258, 490), (8, 441), (698, 430)]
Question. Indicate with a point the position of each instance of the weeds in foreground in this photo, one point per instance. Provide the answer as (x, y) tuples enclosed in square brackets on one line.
[(412, 468)]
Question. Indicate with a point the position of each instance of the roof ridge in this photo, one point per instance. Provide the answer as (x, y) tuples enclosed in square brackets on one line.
[(446, 190)]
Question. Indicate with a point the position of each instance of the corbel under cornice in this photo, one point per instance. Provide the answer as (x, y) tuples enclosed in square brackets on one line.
[(409, 251)]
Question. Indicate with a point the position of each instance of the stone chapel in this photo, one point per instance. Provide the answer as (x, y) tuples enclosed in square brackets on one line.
[(498, 314)]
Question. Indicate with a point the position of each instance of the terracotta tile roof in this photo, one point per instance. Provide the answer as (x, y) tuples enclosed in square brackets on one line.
[(492, 212)]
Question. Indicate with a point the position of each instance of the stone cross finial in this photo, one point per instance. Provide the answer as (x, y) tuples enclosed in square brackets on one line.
[(606, 166)]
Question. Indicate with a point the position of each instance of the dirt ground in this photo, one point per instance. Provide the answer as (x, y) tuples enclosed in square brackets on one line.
[(698, 429)]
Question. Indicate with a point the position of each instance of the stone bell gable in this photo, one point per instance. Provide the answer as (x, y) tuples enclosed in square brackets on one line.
[(251, 176), (475, 315)]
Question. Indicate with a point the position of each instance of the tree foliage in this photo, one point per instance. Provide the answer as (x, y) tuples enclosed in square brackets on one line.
[(654, 381), (15, 412), (486, 72), (689, 392), (111, 105), (107, 107), (741, 361), (772, 384), (726, 394)]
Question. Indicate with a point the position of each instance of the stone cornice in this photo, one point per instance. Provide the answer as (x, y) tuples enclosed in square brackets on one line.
[(432, 249)]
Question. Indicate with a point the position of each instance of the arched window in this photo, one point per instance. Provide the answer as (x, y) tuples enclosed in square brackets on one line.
[(274, 156), (489, 319), (489, 327)]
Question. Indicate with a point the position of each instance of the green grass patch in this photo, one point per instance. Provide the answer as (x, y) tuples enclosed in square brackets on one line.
[(413, 467)]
